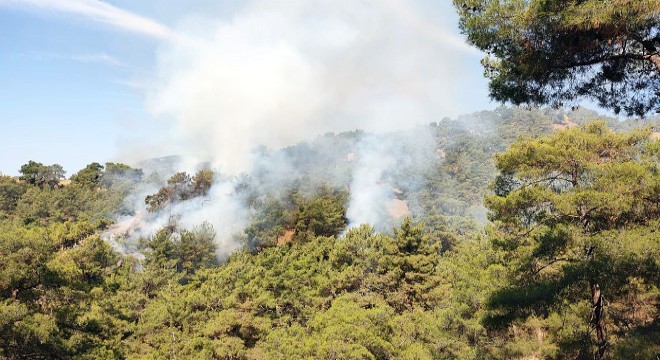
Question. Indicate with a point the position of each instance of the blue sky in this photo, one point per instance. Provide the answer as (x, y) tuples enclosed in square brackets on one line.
[(77, 75)]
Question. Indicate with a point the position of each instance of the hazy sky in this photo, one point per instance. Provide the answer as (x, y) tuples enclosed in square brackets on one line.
[(88, 80)]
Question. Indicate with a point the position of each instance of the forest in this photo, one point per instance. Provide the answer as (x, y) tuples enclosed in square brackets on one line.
[(531, 231), (512, 218)]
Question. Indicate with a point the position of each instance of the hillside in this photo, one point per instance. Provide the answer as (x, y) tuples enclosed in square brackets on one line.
[(481, 237)]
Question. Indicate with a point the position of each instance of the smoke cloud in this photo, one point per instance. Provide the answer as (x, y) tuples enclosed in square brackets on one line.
[(280, 72), (370, 189), (220, 208), (387, 165)]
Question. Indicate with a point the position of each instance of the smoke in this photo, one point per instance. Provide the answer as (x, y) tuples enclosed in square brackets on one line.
[(280, 72), (370, 190), (277, 73), (221, 208), (387, 166)]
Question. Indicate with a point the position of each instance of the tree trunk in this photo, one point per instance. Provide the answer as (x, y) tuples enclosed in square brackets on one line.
[(598, 320)]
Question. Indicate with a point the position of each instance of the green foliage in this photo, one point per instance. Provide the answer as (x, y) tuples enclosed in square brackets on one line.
[(91, 176), (202, 182), (573, 211), (35, 173), (270, 220), (576, 208), (47, 291), (70, 203), (181, 187), (117, 171), (10, 192), (196, 248), (554, 51), (322, 215), (364, 295), (180, 250)]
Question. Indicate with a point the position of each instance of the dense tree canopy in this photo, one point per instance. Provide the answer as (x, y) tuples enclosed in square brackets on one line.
[(41, 175), (90, 176), (558, 51), (579, 213), (576, 208), (11, 191)]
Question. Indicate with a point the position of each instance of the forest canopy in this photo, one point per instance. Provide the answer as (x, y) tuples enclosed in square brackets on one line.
[(558, 52), (567, 267)]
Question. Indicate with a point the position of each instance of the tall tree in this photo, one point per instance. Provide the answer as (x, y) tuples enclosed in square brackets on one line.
[(177, 189), (322, 215), (90, 176), (202, 182), (557, 51), (579, 213), (41, 175)]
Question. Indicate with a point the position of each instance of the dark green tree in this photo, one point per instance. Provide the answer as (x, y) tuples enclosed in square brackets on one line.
[(557, 51), (577, 213), (269, 221), (41, 175), (177, 189), (196, 249), (321, 216), (10, 192), (90, 177), (184, 251), (49, 279)]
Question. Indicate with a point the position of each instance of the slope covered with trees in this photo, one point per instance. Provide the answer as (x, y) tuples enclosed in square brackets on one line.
[(565, 266)]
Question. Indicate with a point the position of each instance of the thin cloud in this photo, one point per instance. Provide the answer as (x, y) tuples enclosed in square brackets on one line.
[(100, 58), (134, 84), (102, 12)]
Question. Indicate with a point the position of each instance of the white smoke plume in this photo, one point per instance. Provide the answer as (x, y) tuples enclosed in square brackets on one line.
[(220, 208), (377, 179), (370, 189), (280, 72)]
